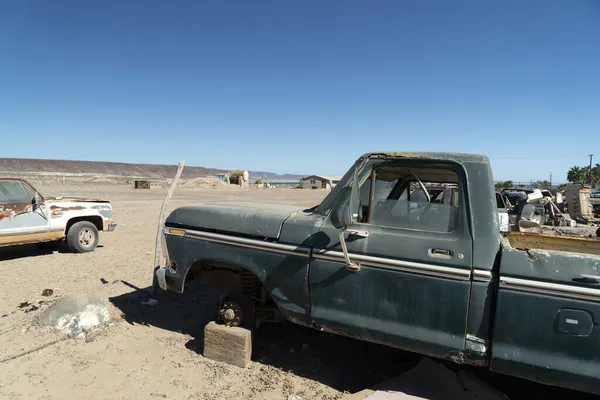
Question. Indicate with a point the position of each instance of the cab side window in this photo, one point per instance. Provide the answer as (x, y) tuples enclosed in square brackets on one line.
[(423, 198), (13, 192)]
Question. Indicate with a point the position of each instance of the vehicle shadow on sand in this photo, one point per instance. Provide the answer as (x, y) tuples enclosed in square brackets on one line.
[(31, 250), (342, 363)]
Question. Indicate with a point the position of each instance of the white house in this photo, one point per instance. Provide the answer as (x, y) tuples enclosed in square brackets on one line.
[(319, 182)]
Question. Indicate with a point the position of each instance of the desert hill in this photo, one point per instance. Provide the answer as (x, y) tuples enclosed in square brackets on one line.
[(15, 166)]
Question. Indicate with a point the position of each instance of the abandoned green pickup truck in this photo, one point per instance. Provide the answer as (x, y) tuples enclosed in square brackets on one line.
[(405, 251)]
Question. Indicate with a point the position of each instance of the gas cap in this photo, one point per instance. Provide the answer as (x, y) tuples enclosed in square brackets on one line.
[(575, 322)]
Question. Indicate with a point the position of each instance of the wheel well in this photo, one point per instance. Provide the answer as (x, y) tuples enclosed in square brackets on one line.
[(229, 277), (96, 220)]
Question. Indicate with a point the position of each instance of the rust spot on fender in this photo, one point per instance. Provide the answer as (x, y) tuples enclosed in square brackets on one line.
[(462, 357), (11, 210), (74, 208), (532, 257)]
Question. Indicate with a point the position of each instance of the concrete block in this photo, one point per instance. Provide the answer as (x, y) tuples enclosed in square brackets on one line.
[(232, 345)]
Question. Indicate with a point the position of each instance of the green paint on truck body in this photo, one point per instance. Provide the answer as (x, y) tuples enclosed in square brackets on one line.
[(456, 293)]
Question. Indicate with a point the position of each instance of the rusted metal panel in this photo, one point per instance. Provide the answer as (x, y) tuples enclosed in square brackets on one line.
[(521, 240), (579, 204), (11, 210), (142, 184), (68, 208), (236, 177), (14, 240), (457, 157)]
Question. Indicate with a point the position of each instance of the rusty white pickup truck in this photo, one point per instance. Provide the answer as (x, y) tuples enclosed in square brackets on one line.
[(27, 217)]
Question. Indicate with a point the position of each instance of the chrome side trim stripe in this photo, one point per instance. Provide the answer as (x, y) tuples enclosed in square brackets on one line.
[(481, 275), (555, 289), (508, 283), (408, 266), (338, 256), (244, 242)]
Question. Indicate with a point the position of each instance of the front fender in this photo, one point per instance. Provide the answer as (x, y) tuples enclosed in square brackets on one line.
[(282, 269)]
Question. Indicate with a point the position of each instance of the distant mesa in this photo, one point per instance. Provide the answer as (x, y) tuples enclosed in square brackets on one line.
[(16, 166)]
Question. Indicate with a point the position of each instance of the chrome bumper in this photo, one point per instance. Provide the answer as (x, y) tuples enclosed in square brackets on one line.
[(160, 278)]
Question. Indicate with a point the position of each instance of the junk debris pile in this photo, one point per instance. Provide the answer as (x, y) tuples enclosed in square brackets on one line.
[(530, 210)]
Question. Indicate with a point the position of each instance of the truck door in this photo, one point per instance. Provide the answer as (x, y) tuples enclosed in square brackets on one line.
[(21, 221), (411, 256)]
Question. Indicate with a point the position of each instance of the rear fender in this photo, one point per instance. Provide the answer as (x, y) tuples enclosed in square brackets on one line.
[(547, 318)]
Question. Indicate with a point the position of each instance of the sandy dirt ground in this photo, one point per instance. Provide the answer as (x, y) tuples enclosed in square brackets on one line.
[(155, 351)]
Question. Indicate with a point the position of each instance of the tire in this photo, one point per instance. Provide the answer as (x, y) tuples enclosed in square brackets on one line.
[(82, 237), (54, 245)]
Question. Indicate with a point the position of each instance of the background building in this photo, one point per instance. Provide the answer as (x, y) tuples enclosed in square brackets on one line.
[(319, 182)]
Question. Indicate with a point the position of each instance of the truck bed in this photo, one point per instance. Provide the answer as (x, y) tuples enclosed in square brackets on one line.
[(540, 241), (547, 308)]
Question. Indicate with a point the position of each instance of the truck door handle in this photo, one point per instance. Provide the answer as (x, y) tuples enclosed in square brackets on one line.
[(440, 253)]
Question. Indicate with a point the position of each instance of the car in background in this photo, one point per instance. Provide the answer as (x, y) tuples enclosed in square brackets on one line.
[(28, 217)]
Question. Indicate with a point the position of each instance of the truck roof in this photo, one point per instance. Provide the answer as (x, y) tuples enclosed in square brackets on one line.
[(458, 157)]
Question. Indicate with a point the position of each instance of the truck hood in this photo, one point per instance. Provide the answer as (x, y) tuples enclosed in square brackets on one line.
[(246, 218)]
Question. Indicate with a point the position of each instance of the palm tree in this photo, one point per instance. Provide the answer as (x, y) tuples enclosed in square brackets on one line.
[(595, 178), (577, 175)]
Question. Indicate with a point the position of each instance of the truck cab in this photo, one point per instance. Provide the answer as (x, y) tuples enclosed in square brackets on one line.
[(405, 251)]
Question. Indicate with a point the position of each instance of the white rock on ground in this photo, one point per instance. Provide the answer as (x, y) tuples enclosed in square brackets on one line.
[(75, 315)]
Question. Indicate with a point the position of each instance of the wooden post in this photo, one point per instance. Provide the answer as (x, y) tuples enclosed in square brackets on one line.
[(158, 250)]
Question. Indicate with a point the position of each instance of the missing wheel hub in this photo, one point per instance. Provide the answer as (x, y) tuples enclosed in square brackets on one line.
[(231, 314)]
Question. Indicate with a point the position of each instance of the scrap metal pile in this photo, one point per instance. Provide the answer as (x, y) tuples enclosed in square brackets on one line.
[(529, 210)]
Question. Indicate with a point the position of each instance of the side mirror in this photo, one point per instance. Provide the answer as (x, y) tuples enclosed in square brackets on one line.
[(36, 200)]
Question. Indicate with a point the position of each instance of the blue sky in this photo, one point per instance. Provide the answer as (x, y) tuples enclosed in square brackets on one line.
[(302, 86)]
